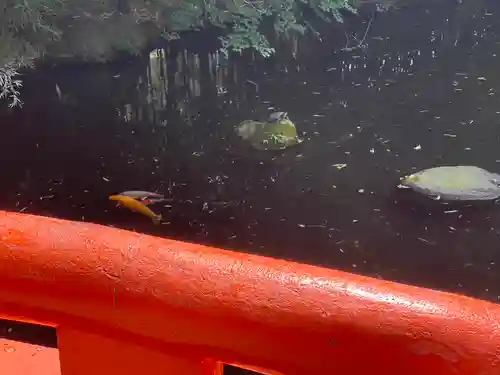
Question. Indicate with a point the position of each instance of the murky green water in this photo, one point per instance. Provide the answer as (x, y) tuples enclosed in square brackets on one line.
[(419, 87)]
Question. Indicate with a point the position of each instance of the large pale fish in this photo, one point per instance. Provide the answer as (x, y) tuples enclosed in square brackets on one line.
[(459, 183)]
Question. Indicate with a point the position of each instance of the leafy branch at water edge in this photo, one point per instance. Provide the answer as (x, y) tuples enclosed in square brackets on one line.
[(98, 30)]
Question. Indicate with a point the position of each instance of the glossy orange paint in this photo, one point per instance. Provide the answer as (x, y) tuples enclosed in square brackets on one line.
[(20, 358), (127, 303)]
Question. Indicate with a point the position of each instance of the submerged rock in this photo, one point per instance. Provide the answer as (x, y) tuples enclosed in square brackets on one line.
[(455, 183), (278, 134)]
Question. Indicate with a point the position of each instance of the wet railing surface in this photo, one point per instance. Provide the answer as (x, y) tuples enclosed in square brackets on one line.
[(127, 303)]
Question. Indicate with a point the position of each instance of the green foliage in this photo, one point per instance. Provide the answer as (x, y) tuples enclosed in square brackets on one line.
[(287, 18), (245, 34), (97, 29), (9, 85)]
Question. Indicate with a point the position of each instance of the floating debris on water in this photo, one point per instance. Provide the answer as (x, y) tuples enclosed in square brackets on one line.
[(311, 225), (426, 241), (339, 166)]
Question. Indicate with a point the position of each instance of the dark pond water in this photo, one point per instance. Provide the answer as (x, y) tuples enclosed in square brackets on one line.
[(416, 87)]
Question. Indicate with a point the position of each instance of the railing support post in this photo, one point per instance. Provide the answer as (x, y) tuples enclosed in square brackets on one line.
[(83, 353)]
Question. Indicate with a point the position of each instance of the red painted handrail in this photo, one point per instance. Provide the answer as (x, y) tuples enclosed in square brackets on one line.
[(128, 303)]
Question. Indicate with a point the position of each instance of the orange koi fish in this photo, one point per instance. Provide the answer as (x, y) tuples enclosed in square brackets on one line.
[(145, 197), (136, 206)]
